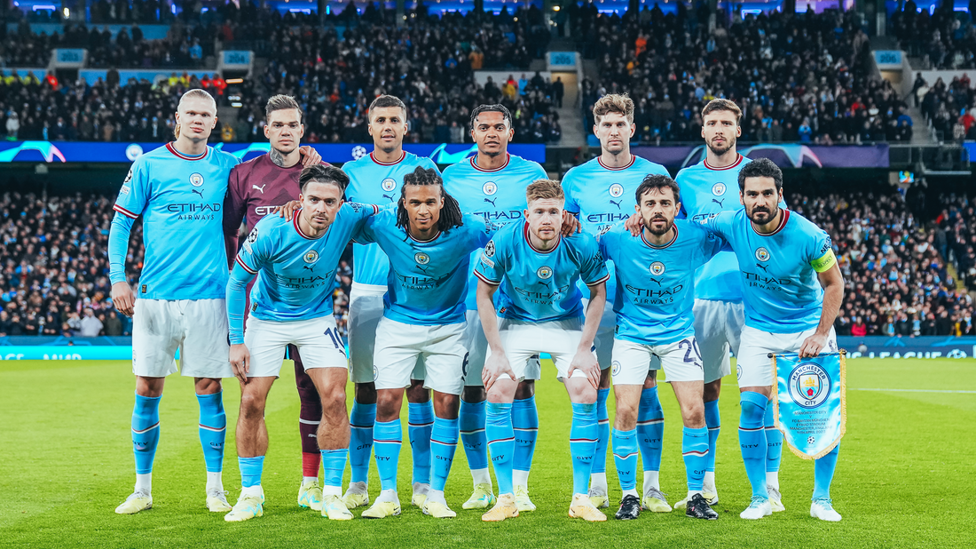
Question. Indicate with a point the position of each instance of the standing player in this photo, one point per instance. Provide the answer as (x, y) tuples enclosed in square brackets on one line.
[(492, 184), (178, 189), (257, 187), (653, 302), (376, 179), (291, 304), (541, 312), (708, 188), (599, 193), (792, 290), (429, 244)]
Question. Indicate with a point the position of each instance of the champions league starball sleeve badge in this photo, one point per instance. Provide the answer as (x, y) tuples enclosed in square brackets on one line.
[(810, 396)]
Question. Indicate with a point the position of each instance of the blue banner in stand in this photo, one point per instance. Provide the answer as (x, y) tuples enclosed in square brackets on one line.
[(83, 151), (908, 347), (809, 396)]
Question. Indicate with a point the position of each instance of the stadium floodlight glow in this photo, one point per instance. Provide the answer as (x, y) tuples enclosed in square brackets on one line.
[(234, 81), (67, 13), (555, 8), (236, 105), (40, 7)]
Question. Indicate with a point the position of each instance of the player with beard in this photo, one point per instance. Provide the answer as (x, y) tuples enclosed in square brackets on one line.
[(708, 188), (257, 188), (377, 179)]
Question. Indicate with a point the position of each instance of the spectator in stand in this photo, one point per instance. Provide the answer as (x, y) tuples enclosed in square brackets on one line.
[(90, 325)]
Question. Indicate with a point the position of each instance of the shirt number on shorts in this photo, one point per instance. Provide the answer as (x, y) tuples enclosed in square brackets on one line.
[(692, 346), (336, 340), (464, 366)]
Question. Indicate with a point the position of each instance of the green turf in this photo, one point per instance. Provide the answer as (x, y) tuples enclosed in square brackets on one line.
[(905, 476)]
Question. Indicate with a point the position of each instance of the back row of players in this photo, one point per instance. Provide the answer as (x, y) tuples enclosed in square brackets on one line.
[(424, 314)]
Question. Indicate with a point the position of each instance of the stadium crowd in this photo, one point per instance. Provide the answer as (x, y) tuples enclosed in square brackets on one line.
[(944, 39), (55, 271), (800, 77), (948, 107), (894, 267)]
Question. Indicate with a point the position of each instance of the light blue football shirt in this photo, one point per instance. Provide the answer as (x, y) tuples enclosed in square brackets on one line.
[(296, 273), (427, 281), (601, 196), (374, 182), (706, 191), (655, 284), (497, 195), (539, 286), (781, 291), (180, 199)]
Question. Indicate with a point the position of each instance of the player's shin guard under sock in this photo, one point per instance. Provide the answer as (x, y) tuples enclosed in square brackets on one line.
[(145, 432), (713, 422), (471, 423), (420, 423), (443, 444), (694, 450), (387, 439), (251, 469), (333, 465), (625, 458), (650, 429), (213, 429), (752, 440), (361, 422), (774, 442), (823, 474), (582, 444), (501, 441), (309, 416), (603, 435), (525, 420)]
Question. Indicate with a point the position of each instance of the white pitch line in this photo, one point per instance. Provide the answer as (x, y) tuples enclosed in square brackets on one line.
[(916, 391)]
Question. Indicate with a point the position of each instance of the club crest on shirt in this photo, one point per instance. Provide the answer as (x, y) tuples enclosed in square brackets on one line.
[(310, 257), (762, 254), (196, 179), (616, 190), (421, 258), (490, 188), (657, 268), (544, 272), (718, 189), (388, 184)]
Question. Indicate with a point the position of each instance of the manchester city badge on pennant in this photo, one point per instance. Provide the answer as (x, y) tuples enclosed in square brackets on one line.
[(810, 399)]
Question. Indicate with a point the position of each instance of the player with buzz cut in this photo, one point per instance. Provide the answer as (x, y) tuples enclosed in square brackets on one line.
[(492, 184), (178, 189), (653, 301), (257, 188), (541, 311), (376, 179), (792, 290), (429, 243), (600, 193), (295, 260)]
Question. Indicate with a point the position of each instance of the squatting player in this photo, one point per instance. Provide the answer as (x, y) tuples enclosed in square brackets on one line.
[(600, 193), (492, 184), (792, 290), (653, 301), (429, 243), (257, 188), (541, 312), (295, 260), (178, 189), (376, 179)]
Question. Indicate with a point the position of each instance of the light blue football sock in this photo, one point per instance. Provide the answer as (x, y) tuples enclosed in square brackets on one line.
[(361, 421), (387, 439), (713, 422), (145, 432), (774, 441), (251, 469), (213, 430), (625, 458), (420, 422), (525, 420), (823, 474), (582, 444), (752, 440), (443, 444), (694, 450), (650, 429), (501, 442)]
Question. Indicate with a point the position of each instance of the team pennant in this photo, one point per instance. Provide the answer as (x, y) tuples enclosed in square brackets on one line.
[(810, 395)]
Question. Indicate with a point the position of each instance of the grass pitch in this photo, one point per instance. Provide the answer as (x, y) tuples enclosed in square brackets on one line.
[(905, 477)]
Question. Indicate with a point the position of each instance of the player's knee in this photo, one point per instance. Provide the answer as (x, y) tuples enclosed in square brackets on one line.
[(366, 393), (252, 407), (525, 390), (473, 394), (333, 397), (625, 416), (712, 390), (651, 379), (580, 390), (693, 414)]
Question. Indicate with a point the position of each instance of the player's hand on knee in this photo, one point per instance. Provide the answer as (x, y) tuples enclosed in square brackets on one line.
[(122, 298), (310, 156), (289, 209), (585, 362), (812, 346), (240, 361), (634, 224), (495, 367), (570, 224)]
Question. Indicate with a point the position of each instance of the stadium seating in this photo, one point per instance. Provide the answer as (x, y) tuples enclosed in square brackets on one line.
[(798, 78), (944, 39)]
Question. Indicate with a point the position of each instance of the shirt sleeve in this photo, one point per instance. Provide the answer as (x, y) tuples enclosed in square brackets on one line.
[(365, 220), (235, 205), (720, 225), (491, 265), (430, 165), (135, 191), (571, 205), (253, 255), (118, 246), (606, 243), (594, 267), (822, 258)]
